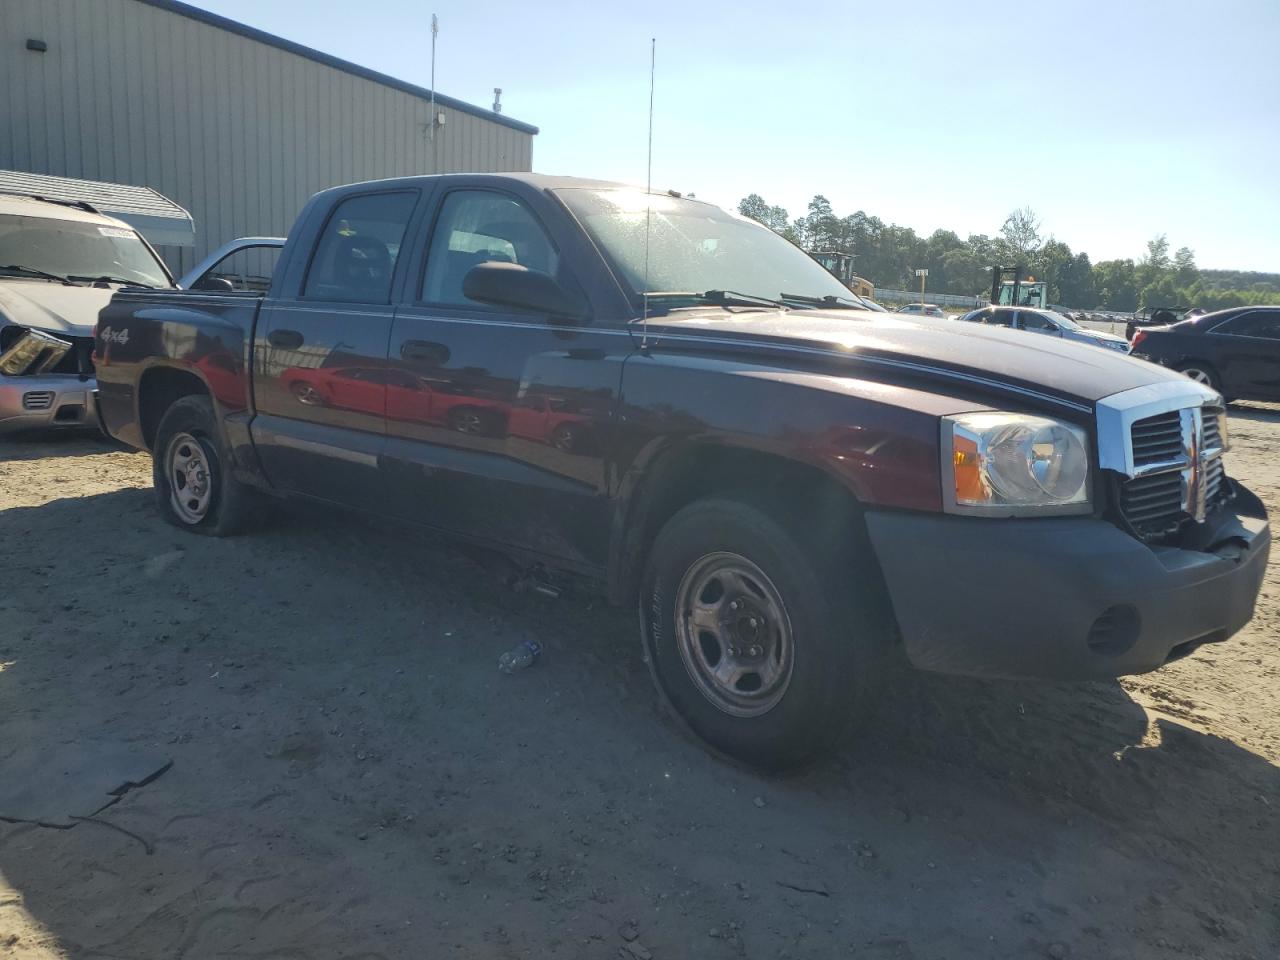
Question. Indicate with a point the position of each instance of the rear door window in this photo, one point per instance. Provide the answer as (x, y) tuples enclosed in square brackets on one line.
[(355, 258)]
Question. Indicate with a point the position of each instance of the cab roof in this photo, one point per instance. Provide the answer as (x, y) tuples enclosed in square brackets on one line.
[(15, 206)]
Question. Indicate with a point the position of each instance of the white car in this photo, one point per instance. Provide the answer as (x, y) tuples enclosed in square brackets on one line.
[(923, 310), (59, 265), (1046, 323)]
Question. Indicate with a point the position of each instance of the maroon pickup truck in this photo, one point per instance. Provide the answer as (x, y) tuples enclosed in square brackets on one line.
[(671, 399)]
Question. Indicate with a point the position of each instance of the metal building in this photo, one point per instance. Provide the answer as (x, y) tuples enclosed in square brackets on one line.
[(238, 126)]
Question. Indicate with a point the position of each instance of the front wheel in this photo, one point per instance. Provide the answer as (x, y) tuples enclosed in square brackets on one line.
[(195, 489), (765, 650)]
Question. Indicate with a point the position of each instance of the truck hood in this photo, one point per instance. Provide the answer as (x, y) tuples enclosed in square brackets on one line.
[(53, 307), (986, 358)]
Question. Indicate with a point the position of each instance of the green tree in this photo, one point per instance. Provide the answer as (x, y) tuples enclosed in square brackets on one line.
[(819, 229), (1184, 267), (1021, 236), (1076, 283), (1117, 284), (1048, 263), (1156, 263), (775, 218)]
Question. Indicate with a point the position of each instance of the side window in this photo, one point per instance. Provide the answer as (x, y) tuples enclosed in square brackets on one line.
[(1033, 321), (478, 226), (1261, 324), (355, 257), (248, 270), (999, 318), (978, 316)]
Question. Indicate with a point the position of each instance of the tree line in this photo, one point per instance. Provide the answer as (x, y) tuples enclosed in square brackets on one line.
[(888, 255)]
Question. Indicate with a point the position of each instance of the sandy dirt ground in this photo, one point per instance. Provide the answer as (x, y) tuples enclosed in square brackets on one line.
[(353, 778)]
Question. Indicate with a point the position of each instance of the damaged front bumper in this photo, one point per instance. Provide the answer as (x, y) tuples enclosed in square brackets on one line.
[(53, 400), (35, 397), (1066, 598)]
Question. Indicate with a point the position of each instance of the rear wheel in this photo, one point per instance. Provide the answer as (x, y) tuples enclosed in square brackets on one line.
[(565, 438), (194, 488), (1201, 373), (765, 650), (470, 420), (307, 394)]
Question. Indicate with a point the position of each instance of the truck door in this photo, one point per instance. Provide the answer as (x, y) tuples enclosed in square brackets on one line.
[(320, 354), (508, 441)]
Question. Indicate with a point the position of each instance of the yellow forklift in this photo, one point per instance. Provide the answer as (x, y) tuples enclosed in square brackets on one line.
[(1018, 292), (840, 266)]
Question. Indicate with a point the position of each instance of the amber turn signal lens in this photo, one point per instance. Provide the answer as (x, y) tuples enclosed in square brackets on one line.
[(968, 472)]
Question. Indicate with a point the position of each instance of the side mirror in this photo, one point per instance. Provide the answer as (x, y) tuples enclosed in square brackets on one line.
[(511, 285), (215, 284)]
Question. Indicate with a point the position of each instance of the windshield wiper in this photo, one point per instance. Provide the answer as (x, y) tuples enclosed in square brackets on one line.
[(107, 278), (834, 302), (41, 274), (720, 298)]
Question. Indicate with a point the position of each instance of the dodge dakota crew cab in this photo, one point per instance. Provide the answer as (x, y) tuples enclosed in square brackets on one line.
[(674, 400)]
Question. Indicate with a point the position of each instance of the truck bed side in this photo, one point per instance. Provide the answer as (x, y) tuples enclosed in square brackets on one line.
[(154, 346)]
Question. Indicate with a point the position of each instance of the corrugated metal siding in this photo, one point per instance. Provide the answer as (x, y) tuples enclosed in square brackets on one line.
[(238, 132)]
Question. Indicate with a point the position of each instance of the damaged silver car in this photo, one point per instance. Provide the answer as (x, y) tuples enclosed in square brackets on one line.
[(60, 263)]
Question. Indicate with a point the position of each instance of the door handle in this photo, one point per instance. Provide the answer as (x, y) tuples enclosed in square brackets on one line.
[(285, 339), (424, 351)]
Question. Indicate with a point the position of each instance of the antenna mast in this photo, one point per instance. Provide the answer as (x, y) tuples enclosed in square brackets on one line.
[(435, 29), (648, 206)]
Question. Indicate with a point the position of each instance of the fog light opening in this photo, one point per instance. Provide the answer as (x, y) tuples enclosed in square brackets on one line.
[(1115, 631)]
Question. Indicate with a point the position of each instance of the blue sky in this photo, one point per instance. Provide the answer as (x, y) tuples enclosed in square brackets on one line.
[(1113, 120)]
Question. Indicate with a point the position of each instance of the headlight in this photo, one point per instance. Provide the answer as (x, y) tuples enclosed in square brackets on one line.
[(1013, 464)]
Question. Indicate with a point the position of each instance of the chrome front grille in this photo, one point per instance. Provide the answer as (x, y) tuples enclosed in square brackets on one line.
[(1177, 472), (1157, 440), (1152, 501), (37, 400)]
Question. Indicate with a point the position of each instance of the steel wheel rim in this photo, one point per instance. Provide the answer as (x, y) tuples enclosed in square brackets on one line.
[(734, 635), (190, 478), (1198, 375), (308, 394)]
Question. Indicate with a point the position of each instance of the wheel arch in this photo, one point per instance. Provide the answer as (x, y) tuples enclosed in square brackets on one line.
[(679, 474), (159, 387)]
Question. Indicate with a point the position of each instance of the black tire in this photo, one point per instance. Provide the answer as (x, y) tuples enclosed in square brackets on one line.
[(188, 432), (838, 629), (1208, 376)]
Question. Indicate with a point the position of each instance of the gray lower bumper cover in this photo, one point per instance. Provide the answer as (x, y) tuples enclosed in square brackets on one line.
[(56, 390), (1017, 598)]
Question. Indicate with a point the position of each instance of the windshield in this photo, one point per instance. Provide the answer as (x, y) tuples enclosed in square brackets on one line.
[(695, 247), (83, 251)]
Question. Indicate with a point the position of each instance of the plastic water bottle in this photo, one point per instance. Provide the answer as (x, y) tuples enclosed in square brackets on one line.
[(520, 656)]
